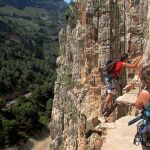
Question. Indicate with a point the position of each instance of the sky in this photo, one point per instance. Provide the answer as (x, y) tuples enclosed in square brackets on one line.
[(67, 1)]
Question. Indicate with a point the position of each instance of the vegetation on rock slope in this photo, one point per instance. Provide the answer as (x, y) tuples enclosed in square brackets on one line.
[(28, 52)]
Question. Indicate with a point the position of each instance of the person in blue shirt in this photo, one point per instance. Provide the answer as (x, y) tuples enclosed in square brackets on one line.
[(143, 99)]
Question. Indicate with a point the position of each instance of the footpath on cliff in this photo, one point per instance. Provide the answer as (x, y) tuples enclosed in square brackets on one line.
[(119, 135)]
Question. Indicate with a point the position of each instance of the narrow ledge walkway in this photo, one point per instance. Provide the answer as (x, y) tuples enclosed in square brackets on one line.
[(121, 136), (128, 98)]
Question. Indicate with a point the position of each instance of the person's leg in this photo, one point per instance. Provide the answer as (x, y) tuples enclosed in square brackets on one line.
[(111, 101), (108, 101)]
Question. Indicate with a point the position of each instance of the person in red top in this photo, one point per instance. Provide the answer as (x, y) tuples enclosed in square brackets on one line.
[(112, 83), (119, 68)]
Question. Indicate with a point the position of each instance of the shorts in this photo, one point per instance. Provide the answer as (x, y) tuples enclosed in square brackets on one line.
[(112, 86)]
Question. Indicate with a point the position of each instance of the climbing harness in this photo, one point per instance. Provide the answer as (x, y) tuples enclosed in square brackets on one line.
[(143, 129), (143, 134)]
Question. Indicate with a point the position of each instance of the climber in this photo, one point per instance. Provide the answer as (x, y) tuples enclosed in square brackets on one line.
[(112, 80), (143, 102)]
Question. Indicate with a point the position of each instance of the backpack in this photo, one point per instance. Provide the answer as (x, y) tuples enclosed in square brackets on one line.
[(111, 69)]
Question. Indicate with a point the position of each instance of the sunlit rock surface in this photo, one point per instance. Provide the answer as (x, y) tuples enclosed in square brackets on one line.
[(99, 34)]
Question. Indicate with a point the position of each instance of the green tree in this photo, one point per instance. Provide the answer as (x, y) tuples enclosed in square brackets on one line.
[(27, 115), (2, 103), (9, 129), (49, 106)]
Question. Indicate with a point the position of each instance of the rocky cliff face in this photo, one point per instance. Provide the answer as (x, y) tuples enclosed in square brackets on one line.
[(104, 29)]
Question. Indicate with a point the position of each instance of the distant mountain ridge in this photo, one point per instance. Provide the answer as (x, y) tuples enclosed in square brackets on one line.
[(34, 3)]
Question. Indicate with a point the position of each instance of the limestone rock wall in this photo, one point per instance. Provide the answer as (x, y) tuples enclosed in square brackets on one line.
[(104, 29), (147, 37)]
